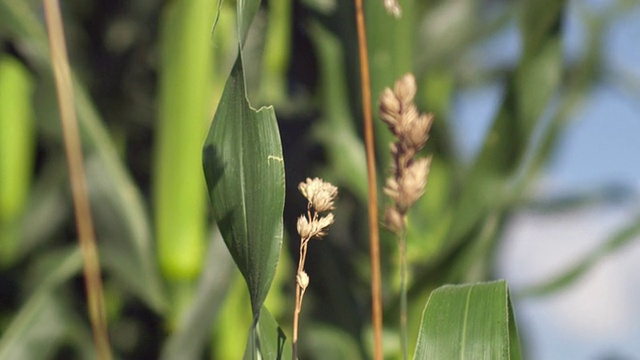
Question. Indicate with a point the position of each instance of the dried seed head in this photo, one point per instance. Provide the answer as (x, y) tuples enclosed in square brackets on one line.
[(389, 108), (302, 279), (419, 132), (413, 182), (393, 219), (392, 189), (323, 224), (319, 193), (392, 7), (305, 229), (406, 88), (411, 129), (315, 228)]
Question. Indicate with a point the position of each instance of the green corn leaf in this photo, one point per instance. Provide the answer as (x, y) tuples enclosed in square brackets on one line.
[(267, 339), (244, 169), (472, 321)]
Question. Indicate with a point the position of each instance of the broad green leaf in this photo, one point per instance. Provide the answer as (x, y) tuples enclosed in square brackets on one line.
[(472, 321), (267, 340), (244, 169)]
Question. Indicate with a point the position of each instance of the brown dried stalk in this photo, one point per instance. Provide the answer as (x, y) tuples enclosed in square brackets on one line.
[(374, 231), (73, 150)]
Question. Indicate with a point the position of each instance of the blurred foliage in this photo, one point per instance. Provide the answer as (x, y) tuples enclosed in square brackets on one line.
[(140, 78)]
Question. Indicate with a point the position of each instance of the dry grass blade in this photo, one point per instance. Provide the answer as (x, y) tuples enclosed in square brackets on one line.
[(73, 150), (374, 231)]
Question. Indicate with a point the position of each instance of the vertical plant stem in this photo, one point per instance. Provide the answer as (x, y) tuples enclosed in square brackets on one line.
[(16, 138), (374, 233), (73, 150), (403, 294), (185, 91), (299, 294)]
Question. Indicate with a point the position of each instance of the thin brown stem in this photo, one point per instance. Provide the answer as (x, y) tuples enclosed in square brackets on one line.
[(299, 295), (374, 232), (296, 314), (73, 150)]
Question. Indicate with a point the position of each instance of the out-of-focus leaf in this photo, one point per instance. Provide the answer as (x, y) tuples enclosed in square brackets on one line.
[(610, 194), (267, 340), (390, 43), (188, 340), (39, 322), (17, 145), (329, 343), (19, 19), (230, 327), (273, 85), (343, 145), (122, 198), (528, 94), (472, 321), (49, 206), (625, 236)]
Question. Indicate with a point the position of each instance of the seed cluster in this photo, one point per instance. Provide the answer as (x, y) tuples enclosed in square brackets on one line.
[(411, 129)]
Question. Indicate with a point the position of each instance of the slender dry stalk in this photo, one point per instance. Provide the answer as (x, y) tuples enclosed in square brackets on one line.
[(409, 174), (73, 150), (320, 197), (374, 231)]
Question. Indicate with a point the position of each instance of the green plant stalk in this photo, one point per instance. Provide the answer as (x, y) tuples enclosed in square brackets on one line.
[(17, 144), (402, 238), (73, 151), (184, 112)]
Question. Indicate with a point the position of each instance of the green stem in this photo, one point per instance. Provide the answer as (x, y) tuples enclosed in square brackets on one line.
[(403, 294)]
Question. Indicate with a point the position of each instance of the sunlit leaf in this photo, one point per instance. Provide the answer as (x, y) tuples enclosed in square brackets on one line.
[(472, 321)]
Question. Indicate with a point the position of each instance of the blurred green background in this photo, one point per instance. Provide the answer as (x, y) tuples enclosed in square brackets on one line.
[(506, 80)]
